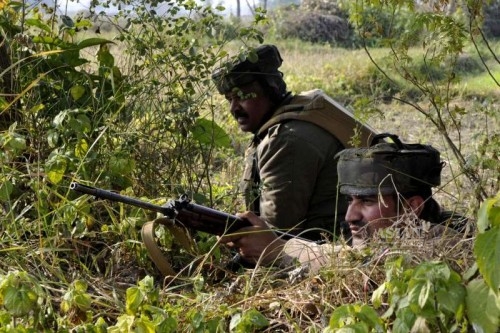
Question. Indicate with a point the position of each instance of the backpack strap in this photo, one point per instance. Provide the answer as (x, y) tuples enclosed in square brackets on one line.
[(180, 234), (316, 107)]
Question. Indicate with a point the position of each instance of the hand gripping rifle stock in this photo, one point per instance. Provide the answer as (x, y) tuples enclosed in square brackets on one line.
[(181, 211)]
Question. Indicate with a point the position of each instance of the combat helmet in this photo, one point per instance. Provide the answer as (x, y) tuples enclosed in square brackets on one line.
[(259, 63), (385, 167)]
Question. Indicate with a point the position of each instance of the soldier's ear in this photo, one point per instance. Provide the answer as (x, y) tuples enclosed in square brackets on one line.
[(416, 204)]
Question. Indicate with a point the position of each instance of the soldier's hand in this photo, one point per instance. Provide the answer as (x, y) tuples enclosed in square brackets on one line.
[(255, 244)]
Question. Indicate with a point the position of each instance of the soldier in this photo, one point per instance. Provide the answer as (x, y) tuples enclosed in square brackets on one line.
[(290, 176), (388, 185)]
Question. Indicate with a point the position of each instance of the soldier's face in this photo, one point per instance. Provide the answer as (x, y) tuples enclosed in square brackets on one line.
[(367, 214), (249, 105)]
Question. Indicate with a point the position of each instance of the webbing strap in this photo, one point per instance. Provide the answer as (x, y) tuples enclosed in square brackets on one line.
[(155, 253)]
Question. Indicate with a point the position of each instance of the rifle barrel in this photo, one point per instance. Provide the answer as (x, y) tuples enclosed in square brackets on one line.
[(104, 194)]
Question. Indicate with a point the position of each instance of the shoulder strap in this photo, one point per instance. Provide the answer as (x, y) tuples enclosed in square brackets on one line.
[(316, 107), (155, 253)]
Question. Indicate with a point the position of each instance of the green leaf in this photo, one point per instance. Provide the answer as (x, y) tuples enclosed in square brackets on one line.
[(134, 299), (105, 58), (451, 298), (144, 325), (377, 295), (424, 294), (15, 142), (483, 307), (52, 138), (83, 302), (6, 189), (340, 316), (39, 24), (55, 168), (77, 92), (92, 42), (209, 133), (487, 252), (370, 317), (489, 214), (59, 118), (67, 21), (19, 301), (80, 124), (249, 321), (404, 321), (81, 148)]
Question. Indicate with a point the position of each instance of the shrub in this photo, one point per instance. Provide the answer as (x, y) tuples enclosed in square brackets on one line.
[(315, 27)]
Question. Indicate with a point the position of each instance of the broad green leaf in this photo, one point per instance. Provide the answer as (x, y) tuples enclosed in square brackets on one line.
[(52, 138), (487, 252), (354, 328), (83, 301), (134, 299), (420, 326), (249, 321), (67, 21), (144, 325), (340, 316), (377, 295), (15, 142), (80, 286), (55, 168), (81, 123), (93, 42), (483, 307), (235, 321), (82, 148), (124, 324), (168, 325), (451, 298), (39, 24), (208, 132), (255, 319), (85, 123), (59, 118), (404, 321), (488, 214), (19, 301), (370, 317), (77, 92)]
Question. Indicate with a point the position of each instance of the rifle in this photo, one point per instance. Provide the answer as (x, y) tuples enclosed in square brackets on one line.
[(189, 214)]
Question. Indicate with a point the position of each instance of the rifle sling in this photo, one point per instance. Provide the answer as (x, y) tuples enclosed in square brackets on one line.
[(154, 251)]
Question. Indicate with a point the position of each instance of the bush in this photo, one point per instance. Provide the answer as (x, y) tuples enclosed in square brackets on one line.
[(315, 27)]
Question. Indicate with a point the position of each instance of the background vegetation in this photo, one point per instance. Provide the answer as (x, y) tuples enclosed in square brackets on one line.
[(125, 102)]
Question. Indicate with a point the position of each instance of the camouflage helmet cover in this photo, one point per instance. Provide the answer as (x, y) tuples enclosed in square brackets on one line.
[(261, 61), (388, 167)]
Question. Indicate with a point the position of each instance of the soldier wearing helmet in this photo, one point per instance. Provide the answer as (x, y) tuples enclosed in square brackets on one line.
[(384, 183), (290, 171)]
